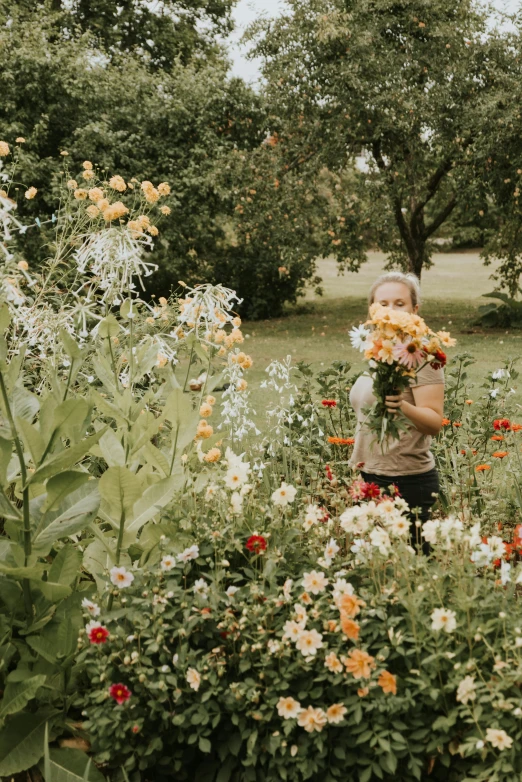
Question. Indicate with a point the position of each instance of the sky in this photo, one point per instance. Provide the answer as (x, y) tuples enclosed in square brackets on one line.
[(246, 11)]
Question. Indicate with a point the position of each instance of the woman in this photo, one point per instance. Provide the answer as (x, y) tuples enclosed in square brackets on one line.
[(408, 462)]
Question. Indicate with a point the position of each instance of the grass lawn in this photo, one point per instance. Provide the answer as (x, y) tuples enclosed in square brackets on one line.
[(315, 331)]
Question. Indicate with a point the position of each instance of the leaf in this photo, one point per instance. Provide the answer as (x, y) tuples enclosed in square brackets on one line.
[(43, 647), (69, 418), (52, 592), (24, 404), (18, 694), (5, 318), (120, 489), (152, 501), (22, 742), (112, 449), (156, 458), (32, 438), (66, 566), (6, 448), (70, 765), (7, 509), (67, 458), (71, 348), (204, 745), (61, 485), (22, 572), (108, 327), (77, 511)]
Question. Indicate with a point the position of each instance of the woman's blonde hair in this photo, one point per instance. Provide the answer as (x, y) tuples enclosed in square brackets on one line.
[(410, 280)]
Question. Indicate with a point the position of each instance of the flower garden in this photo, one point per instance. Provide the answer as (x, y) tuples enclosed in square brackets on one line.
[(188, 594)]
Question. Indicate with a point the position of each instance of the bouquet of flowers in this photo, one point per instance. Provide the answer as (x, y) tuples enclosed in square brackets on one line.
[(397, 345)]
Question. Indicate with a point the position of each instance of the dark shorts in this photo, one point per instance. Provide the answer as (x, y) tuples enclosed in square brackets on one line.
[(417, 490)]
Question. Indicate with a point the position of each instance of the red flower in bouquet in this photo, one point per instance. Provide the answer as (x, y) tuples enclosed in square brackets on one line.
[(120, 693), (440, 359), (329, 473), (98, 634), (256, 543), (501, 423), (329, 403)]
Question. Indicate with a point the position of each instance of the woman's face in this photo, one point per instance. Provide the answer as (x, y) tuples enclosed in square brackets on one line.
[(395, 295)]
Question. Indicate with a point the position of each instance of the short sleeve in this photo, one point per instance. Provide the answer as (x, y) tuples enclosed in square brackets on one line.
[(428, 376)]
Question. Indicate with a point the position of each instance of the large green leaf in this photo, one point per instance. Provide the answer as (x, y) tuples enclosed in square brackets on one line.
[(6, 448), (65, 459), (70, 765), (66, 566), (32, 438), (112, 449), (61, 485), (24, 404), (22, 572), (71, 347), (154, 498), (52, 592), (77, 511), (45, 648), (120, 489), (69, 418), (18, 694), (7, 509), (22, 742)]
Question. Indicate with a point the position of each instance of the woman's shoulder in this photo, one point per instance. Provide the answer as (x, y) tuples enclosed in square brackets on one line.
[(429, 376)]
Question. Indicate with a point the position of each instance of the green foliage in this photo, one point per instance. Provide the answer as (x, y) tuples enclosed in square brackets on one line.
[(506, 313), (439, 107)]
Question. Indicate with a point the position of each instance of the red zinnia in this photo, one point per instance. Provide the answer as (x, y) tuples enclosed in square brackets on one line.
[(256, 543), (369, 491), (517, 538), (501, 423), (329, 473), (120, 693), (329, 403), (98, 634), (440, 360)]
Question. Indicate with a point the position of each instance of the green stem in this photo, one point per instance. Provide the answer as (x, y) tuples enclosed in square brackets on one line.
[(113, 362), (188, 368), (28, 601), (174, 450), (118, 552), (69, 378)]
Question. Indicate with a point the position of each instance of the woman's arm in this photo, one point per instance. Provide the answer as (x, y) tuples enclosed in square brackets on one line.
[(426, 413)]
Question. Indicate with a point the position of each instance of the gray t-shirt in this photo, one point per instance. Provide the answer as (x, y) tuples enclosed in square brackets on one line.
[(410, 455)]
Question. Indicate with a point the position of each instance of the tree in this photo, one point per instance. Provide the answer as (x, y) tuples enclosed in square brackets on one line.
[(414, 88), (158, 33)]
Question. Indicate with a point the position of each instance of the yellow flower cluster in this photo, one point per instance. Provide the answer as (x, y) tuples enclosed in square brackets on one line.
[(204, 430), (4, 148), (403, 337), (114, 211), (30, 193), (244, 361), (117, 183)]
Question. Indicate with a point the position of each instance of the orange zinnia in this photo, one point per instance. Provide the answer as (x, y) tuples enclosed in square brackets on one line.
[(457, 423), (482, 467), (516, 427), (362, 692), (359, 664), (341, 440), (498, 437), (349, 627), (445, 421), (500, 454), (350, 605), (388, 682)]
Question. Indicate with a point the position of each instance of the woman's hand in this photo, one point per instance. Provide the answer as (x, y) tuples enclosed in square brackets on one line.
[(394, 402)]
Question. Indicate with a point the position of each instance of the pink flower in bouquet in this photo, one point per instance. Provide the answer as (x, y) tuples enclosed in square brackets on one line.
[(408, 354)]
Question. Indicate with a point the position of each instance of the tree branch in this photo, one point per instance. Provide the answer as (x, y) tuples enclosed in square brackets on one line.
[(441, 217), (433, 184)]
